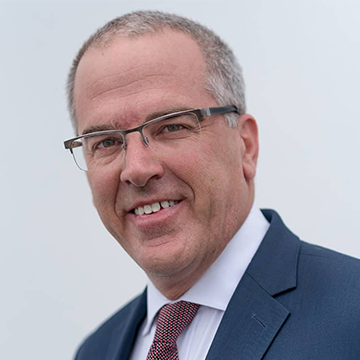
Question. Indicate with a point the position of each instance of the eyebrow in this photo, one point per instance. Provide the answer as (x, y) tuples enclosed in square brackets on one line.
[(117, 126)]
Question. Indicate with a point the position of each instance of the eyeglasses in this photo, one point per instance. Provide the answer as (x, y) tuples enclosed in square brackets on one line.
[(171, 133)]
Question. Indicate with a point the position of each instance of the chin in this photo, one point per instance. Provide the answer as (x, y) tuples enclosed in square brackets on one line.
[(168, 265)]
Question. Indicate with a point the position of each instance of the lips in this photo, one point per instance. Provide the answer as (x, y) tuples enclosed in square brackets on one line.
[(154, 207)]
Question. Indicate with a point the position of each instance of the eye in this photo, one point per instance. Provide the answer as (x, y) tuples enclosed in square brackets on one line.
[(108, 143), (172, 128), (104, 144), (177, 127)]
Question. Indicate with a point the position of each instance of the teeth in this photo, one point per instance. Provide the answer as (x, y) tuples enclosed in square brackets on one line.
[(147, 209), (155, 207)]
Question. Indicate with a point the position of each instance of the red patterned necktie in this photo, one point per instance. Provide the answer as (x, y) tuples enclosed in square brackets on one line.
[(172, 320)]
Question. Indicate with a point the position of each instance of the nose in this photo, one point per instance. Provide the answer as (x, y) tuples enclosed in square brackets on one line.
[(140, 164)]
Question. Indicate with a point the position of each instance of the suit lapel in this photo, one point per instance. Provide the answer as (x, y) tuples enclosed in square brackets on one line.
[(250, 323), (123, 337), (254, 317)]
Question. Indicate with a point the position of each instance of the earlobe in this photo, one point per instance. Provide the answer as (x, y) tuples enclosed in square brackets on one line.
[(249, 136)]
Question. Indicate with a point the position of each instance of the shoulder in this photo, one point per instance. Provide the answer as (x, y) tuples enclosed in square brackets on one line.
[(96, 344), (311, 261), (329, 278), (329, 264)]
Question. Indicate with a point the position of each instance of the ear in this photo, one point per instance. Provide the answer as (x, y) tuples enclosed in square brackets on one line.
[(249, 136)]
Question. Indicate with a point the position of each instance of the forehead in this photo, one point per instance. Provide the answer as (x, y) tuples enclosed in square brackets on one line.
[(129, 78)]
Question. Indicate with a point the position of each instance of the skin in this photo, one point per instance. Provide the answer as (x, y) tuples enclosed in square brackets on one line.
[(120, 86)]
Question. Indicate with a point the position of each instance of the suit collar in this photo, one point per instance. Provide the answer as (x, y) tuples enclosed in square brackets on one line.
[(274, 266), (123, 337), (254, 317)]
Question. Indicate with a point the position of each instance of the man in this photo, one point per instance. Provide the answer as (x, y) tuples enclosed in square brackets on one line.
[(158, 104)]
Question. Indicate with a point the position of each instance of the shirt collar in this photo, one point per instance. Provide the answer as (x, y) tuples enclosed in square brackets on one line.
[(216, 287)]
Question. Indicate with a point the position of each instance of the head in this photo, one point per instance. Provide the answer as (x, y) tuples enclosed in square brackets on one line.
[(223, 74), (137, 67)]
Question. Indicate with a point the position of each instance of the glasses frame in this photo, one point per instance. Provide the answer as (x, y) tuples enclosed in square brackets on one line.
[(200, 114)]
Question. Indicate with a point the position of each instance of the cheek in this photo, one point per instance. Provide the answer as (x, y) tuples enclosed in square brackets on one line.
[(104, 187), (192, 169), (201, 172), (221, 175)]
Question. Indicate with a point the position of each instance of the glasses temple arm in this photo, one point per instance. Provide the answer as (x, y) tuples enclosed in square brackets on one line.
[(219, 110)]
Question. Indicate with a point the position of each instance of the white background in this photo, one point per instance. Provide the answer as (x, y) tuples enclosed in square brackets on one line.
[(61, 273)]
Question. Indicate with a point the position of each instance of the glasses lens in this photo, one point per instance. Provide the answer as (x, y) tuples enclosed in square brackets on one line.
[(174, 134), (95, 152)]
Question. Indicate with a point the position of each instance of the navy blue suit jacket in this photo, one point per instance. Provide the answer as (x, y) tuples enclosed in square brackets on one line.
[(295, 301)]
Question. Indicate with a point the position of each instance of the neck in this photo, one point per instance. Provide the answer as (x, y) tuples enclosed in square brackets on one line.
[(175, 285)]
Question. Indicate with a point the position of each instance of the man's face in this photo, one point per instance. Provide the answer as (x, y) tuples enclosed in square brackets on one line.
[(120, 86)]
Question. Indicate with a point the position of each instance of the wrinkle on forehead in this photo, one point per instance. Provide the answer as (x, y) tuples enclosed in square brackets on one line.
[(133, 109), (111, 84)]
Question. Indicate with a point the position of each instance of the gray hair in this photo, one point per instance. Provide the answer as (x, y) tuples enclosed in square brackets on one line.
[(223, 77)]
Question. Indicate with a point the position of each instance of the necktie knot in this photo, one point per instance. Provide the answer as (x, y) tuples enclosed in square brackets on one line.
[(172, 320)]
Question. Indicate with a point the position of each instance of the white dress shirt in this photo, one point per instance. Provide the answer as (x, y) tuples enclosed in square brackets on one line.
[(213, 292)]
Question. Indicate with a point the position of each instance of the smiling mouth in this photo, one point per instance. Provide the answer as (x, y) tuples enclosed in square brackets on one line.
[(154, 207)]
